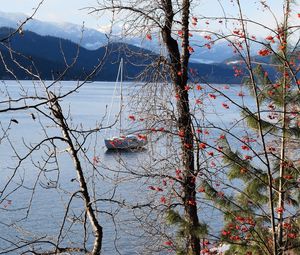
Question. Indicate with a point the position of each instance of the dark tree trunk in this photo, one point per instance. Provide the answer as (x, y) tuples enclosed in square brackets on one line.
[(179, 75)]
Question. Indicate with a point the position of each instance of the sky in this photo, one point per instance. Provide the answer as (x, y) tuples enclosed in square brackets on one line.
[(74, 10), (55, 10)]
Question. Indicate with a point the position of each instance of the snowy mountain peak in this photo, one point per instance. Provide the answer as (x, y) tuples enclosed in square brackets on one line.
[(16, 17), (12, 20), (93, 39), (87, 37)]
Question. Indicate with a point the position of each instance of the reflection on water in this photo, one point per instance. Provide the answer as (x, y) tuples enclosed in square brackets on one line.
[(125, 152)]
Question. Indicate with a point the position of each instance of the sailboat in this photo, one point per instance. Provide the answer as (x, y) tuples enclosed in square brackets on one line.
[(123, 142)]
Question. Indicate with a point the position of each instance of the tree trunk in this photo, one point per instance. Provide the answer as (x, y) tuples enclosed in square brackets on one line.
[(97, 229), (179, 76), (281, 197)]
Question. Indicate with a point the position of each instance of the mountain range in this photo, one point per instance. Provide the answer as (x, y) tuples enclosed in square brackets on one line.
[(86, 37), (93, 39), (49, 56), (48, 49)]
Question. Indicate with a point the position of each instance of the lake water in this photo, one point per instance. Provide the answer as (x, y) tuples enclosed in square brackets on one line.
[(48, 191)]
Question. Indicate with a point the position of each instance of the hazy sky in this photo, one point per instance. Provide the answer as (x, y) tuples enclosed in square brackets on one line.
[(73, 10), (54, 10)]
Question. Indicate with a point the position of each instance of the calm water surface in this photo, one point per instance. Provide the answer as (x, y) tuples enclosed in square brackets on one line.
[(88, 107)]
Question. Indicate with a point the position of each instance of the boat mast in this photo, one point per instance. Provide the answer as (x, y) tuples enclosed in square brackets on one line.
[(121, 93), (119, 81)]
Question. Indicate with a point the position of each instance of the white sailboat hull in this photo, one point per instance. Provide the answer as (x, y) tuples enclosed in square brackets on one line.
[(125, 142)]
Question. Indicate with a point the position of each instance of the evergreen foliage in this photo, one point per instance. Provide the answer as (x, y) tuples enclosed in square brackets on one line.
[(260, 214), (184, 228)]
